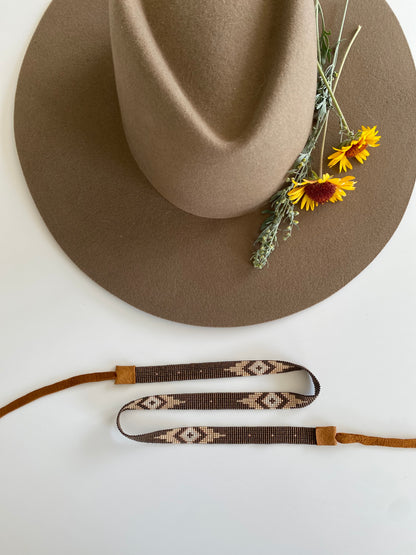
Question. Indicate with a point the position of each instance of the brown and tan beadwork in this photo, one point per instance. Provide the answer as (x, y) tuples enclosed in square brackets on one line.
[(125, 375), (221, 400)]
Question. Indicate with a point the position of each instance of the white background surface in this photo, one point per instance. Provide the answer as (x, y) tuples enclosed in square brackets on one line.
[(71, 484)]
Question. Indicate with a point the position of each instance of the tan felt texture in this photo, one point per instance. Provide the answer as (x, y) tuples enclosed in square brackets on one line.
[(119, 230), (210, 97)]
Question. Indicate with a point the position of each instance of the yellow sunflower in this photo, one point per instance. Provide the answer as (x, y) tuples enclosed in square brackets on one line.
[(356, 148), (319, 191)]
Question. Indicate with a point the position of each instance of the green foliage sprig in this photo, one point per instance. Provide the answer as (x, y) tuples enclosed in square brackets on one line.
[(281, 215)]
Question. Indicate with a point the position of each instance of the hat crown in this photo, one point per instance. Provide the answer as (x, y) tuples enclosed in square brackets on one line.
[(216, 97), (221, 75)]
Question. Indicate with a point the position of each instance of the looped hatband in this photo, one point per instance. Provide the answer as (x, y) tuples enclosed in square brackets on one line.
[(218, 401)]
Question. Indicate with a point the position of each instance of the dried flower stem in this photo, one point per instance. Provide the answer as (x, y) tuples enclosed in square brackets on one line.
[(341, 31), (334, 100), (321, 161), (344, 59), (319, 14), (282, 211)]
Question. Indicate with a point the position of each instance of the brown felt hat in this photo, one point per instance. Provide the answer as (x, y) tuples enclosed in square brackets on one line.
[(152, 132)]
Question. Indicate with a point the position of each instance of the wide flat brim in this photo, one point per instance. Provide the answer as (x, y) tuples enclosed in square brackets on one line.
[(114, 225)]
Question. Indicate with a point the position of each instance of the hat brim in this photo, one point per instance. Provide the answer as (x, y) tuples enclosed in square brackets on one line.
[(114, 225)]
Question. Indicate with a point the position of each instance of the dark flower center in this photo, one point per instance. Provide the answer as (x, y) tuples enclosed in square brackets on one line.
[(355, 149), (320, 192)]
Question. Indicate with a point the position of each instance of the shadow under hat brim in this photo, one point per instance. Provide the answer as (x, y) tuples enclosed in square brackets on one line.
[(114, 225)]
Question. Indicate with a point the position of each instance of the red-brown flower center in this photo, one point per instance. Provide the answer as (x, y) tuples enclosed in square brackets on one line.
[(355, 149), (320, 192)]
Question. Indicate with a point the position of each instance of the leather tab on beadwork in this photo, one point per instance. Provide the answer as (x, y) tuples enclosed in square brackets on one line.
[(125, 375), (326, 435)]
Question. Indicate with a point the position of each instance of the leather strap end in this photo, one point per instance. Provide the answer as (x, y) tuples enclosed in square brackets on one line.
[(54, 388), (125, 375), (379, 441), (326, 435)]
